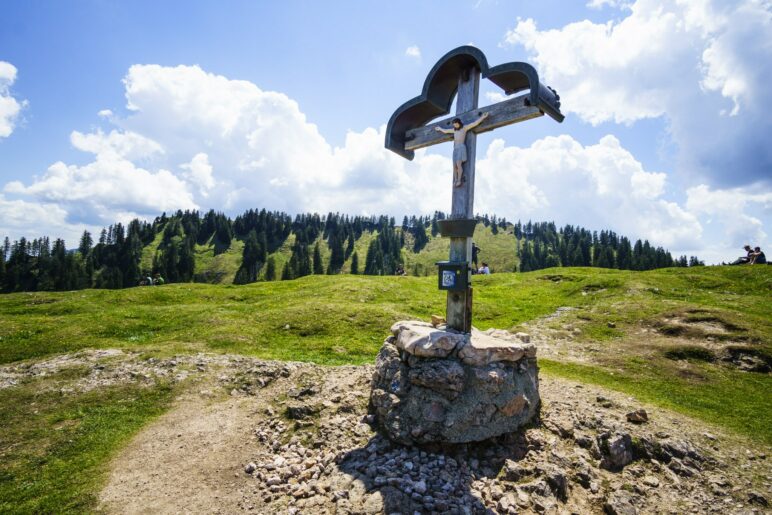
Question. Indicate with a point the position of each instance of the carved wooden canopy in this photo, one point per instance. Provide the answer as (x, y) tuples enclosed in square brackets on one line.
[(441, 85)]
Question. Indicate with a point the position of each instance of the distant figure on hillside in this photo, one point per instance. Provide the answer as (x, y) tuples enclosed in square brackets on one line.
[(158, 280), (400, 271), (459, 146), (475, 251), (758, 257), (484, 269), (743, 260)]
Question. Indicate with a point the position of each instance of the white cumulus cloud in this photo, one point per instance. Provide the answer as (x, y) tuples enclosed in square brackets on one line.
[(595, 186), (196, 140), (9, 106), (199, 172), (704, 65), (124, 144)]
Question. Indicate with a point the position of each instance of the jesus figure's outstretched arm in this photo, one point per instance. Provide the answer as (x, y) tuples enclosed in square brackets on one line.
[(477, 122), (444, 131)]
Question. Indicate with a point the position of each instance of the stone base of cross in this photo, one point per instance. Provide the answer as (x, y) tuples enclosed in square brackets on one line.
[(457, 75)]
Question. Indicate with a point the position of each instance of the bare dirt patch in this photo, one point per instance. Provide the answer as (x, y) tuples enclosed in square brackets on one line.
[(187, 461), (302, 444)]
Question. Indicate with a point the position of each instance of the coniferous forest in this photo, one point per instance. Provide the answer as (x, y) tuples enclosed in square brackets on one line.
[(114, 258)]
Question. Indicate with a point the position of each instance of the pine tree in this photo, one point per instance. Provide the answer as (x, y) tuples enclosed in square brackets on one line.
[(286, 273), (420, 239), (270, 269), (2, 270), (300, 261), (349, 247), (374, 259), (187, 262), (435, 226), (250, 260), (355, 263), (624, 255), (337, 255), (318, 267), (86, 242)]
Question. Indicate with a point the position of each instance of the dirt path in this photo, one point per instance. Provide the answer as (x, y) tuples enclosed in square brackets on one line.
[(192, 459), (185, 462)]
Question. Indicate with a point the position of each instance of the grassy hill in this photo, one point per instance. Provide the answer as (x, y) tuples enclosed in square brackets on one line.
[(662, 331), (667, 337)]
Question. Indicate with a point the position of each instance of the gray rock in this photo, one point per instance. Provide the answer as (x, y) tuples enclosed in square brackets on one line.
[(423, 340), (439, 375), (484, 388), (638, 416), (620, 502), (506, 502), (251, 467), (757, 498), (482, 349), (557, 481), (301, 411), (616, 449)]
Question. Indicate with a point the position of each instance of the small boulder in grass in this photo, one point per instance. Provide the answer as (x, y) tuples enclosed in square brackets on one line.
[(638, 416)]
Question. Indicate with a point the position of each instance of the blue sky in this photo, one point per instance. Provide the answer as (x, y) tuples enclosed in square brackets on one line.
[(232, 105)]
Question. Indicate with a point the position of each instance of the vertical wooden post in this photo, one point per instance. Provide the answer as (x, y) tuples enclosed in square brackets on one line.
[(459, 304)]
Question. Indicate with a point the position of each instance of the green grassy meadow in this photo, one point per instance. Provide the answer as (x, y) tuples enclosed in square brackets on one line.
[(55, 448), (657, 333)]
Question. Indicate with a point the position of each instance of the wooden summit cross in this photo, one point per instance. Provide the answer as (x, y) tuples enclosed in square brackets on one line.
[(459, 71)]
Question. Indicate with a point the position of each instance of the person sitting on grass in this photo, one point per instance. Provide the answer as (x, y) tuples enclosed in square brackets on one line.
[(744, 260), (758, 257), (484, 269)]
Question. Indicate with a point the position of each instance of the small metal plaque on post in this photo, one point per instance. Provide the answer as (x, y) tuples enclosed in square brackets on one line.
[(453, 275)]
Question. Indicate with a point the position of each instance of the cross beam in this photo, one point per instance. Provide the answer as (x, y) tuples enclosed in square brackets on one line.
[(507, 112)]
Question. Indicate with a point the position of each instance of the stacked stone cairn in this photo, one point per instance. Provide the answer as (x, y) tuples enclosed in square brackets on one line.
[(434, 385)]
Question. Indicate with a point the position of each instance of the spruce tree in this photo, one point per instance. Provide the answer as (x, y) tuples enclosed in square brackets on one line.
[(420, 239), (86, 242), (337, 255), (186, 264), (349, 247), (250, 260), (355, 263), (2, 270), (318, 267), (270, 269)]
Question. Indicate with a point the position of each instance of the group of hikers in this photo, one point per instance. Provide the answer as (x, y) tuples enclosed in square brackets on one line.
[(156, 280), (753, 256)]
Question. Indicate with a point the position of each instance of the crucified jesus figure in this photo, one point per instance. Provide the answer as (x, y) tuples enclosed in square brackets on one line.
[(459, 146)]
